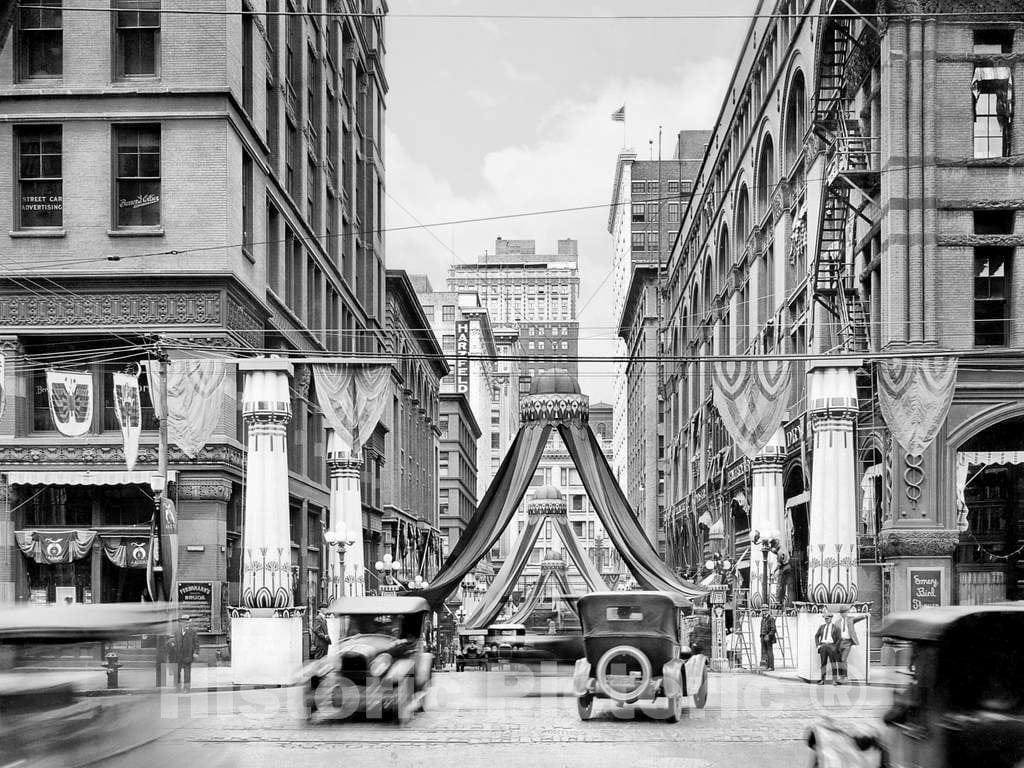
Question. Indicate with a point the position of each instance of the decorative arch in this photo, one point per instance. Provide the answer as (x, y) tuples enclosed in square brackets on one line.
[(795, 118), (742, 217), (724, 258), (766, 174), (706, 289)]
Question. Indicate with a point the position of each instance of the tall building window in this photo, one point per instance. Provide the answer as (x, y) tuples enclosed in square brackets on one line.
[(638, 210), (137, 37), (40, 183), (40, 40), (673, 187), (638, 187), (652, 211), (993, 109), (673, 211), (291, 159), (448, 313), (248, 200), (991, 297), (137, 194), (247, 58), (638, 241), (652, 241), (273, 247)]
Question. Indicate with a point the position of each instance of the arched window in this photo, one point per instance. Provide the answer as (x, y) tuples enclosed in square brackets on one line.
[(742, 217), (706, 288), (724, 260), (796, 119), (765, 176)]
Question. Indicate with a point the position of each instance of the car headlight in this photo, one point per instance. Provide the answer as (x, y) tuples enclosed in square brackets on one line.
[(379, 666)]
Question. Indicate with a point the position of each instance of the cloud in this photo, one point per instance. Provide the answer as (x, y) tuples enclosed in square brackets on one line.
[(570, 164)]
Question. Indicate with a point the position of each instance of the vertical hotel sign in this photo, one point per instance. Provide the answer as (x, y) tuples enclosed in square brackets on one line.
[(462, 356)]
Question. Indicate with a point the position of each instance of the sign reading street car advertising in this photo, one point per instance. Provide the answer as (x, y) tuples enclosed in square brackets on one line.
[(462, 356)]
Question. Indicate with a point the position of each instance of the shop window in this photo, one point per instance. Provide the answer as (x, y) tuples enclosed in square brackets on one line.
[(40, 176), (149, 420), (137, 193), (988, 42), (40, 40), (137, 37)]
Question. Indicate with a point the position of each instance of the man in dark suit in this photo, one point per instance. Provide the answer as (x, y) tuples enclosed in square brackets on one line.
[(847, 638), (184, 652), (827, 641), (321, 639)]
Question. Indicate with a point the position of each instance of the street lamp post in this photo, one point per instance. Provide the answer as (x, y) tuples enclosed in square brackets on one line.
[(720, 566), (338, 541), (386, 569)]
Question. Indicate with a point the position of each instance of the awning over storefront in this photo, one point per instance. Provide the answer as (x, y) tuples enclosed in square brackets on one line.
[(84, 477)]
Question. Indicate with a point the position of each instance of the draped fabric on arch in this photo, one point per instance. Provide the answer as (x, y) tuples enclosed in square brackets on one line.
[(195, 390), (352, 398), (617, 517), (587, 567), (914, 395), (494, 512), (537, 593), (490, 605)]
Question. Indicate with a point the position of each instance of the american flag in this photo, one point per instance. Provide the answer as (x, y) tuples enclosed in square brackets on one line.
[(619, 115)]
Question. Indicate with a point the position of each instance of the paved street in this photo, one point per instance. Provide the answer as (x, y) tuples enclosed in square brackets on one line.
[(504, 719)]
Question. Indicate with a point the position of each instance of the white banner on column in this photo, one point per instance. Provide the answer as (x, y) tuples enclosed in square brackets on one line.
[(70, 401)]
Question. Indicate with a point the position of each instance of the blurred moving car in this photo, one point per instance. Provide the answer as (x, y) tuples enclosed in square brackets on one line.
[(964, 705), (472, 650), (45, 720), (634, 653), (379, 666)]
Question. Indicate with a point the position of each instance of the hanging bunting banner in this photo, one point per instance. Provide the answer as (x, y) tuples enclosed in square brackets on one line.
[(70, 401), (195, 390), (914, 395), (751, 397), (352, 398), (126, 551), (55, 547), (128, 409)]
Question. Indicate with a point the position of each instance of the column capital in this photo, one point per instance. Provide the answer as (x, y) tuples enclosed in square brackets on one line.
[(266, 396)]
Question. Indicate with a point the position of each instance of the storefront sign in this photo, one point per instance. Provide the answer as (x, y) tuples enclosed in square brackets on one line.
[(737, 472), (462, 356), (195, 599), (925, 587), (794, 431), (42, 205)]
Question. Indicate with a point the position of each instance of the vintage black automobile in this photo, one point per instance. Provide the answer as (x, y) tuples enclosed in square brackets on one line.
[(45, 718), (473, 651), (964, 704), (378, 666), (633, 652)]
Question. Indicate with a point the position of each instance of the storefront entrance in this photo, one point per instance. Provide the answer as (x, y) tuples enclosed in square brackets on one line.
[(990, 488)]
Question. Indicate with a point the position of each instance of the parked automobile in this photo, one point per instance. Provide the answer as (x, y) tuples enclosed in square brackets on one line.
[(379, 666), (634, 652), (964, 704), (45, 720), (504, 637), (472, 650)]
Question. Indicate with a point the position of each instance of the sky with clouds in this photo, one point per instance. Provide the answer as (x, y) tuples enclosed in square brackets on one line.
[(491, 117)]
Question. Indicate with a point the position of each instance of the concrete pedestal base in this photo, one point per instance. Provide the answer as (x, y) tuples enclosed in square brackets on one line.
[(784, 650), (266, 650), (808, 661)]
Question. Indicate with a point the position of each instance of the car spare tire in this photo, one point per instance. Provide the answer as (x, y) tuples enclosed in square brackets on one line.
[(615, 673)]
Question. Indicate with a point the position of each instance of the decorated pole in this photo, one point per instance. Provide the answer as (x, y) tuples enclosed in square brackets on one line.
[(345, 566), (766, 509)]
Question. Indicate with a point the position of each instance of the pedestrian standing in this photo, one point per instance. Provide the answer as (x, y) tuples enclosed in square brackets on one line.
[(320, 639), (769, 636), (184, 651), (847, 639), (827, 641)]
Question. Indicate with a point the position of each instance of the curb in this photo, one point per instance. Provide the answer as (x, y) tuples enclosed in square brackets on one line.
[(99, 692)]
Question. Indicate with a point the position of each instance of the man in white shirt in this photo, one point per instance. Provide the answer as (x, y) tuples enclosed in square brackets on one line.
[(847, 638)]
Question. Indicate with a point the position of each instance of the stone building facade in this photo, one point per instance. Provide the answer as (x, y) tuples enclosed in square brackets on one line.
[(459, 436), (859, 196), (209, 181)]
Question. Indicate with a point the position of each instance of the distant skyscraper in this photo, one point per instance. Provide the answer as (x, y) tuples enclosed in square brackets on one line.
[(537, 292)]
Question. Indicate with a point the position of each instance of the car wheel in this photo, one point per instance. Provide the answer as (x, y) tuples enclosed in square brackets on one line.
[(700, 698), (585, 706), (675, 709)]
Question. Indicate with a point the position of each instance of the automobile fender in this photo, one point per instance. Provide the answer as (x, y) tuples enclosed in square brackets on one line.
[(581, 677), (672, 678), (315, 668), (400, 669), (694, 667)]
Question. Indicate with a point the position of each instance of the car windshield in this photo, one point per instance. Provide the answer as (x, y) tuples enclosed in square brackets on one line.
[(980, 662), (375, 624)]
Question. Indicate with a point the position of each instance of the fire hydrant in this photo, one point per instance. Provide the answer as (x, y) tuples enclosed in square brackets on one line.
[(112, 667)]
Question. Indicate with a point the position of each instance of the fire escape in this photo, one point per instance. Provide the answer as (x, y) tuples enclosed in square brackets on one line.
[(850, 189)]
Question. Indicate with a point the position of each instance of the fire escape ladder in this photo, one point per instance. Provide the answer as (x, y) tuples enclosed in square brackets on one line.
[(835, 52)]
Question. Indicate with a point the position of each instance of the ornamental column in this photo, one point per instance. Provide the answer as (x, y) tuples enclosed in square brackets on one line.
[(832, 552), (266, 629), (766, 514), (346, 559)]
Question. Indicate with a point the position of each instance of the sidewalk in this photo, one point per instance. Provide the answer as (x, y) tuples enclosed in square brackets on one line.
[(879, 676), (93, 681)]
